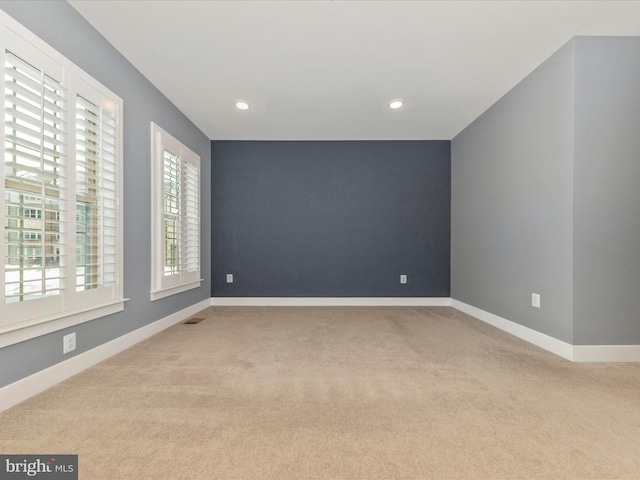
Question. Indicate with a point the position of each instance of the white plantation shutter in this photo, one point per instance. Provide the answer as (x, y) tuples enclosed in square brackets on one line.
[(175, 245), (60, 183), (172, 205), (96, 196), (191, 237), (35, 174)]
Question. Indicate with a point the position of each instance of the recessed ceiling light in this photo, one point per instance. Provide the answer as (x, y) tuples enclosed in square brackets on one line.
[(396, 103), (242, 105)]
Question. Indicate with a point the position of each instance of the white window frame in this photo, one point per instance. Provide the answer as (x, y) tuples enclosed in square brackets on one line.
[(163, 285), (31, 318)]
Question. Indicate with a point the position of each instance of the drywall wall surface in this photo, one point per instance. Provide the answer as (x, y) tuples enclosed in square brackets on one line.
[(607, 191), (58, 24), (511, 207), (331, 219)]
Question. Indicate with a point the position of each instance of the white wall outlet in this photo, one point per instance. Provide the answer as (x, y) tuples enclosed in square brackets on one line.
[(229, 277), (69, 343), (403, 279), (535, 300)]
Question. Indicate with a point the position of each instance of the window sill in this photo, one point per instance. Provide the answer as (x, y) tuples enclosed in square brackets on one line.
[(167, 292), (20, 332)]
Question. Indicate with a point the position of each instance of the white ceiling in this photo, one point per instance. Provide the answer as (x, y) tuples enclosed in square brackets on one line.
[(313, 76)]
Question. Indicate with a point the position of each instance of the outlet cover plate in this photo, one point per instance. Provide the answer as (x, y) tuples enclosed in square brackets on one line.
[(535, 300), (69, 343)]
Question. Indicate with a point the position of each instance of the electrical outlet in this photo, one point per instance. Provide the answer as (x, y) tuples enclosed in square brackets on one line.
[(229, 277), (535, 300), (69, 343), (403, 279)]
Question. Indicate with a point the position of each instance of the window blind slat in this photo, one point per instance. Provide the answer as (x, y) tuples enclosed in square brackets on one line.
[(48, 102), (30, 126), (32, 145), (38, 173)]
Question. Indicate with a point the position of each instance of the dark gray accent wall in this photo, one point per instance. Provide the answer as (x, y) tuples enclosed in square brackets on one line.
[(607, 191), (330, 219), (57, 23), (512, 174)]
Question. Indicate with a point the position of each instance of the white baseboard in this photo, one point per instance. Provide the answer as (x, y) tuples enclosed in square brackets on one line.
[(575, 353), (541, 340), (606, 353), (331, 301), (19, 391)]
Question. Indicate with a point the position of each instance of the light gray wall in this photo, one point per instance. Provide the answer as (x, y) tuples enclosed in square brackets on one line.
[(607, 191), (57, 23), (511, 207)]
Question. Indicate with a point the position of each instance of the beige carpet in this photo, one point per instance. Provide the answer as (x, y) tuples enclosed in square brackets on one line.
[(344, 393)]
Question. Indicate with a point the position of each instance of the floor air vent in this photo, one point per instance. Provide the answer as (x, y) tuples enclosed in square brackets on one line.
[(193, 321)]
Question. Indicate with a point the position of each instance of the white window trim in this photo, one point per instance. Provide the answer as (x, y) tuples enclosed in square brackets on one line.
[(167, 292), (26, 330), (160, 138), (72, 314)]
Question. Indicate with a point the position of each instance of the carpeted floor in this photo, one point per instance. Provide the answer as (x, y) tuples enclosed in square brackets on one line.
[(337, 393)]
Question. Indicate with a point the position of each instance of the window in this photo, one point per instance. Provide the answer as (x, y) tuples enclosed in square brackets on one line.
[(61, 155), (32, 213), (175, 249)]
